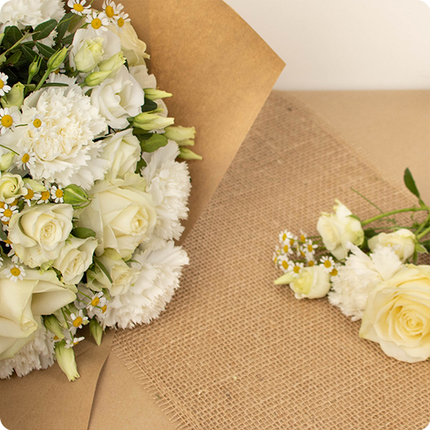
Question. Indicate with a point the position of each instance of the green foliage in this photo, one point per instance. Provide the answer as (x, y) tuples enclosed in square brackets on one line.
[(153, 143), (149, 105), (44, 30), (83, 233), (411, 186)]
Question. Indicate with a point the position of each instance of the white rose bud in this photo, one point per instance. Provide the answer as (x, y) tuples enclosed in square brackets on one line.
[(402, 241), (66, 360), (338, 229), (113, 64), (89, 55), (96, 78), (6, 161), (38, 233), (11, 187), (180, 133)]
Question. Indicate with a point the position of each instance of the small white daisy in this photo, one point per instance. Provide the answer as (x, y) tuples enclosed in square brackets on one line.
[(327, 263), (36, 123), (7, 120), (15, 273), (70, 343), (98, 21), (7, 211), (297, 268), (4, 88), (26, 160), (44, 197), (31, 196), (57, 194), (285, 236), (97, 301), (79, 319), (310, 247), (302, 237), (122, 19), (78, 7), (284, 264), (111, 9)]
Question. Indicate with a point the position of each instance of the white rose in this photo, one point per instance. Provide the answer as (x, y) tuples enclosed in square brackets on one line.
[(338, 229), (397, 315), (132, 47), (122, 276), (121, 213), (11, 187), (102, 47), (38, 233), (118, 98), (22, 303), (402, 241), (122, 150), (75, 258)]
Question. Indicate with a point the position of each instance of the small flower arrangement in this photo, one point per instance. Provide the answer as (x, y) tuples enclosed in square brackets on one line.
[(91, 193), (370, 273)]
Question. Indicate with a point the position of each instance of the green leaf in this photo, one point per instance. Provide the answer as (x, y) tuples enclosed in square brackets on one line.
[(28, 52), (102, 267), (14, 58), (63, 26), (55, 84), (153, 143), (68, 39), (83, 233), (46, 51), (149, 105), (44, 29), (140, 165), (143, 134), (11, 35), (410, 183), (3, 236)]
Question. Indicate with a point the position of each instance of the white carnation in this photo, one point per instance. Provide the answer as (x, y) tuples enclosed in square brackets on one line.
[(169, 184), (361, 273), (64, 148), (38, 353), (24, 13), (158, 279)]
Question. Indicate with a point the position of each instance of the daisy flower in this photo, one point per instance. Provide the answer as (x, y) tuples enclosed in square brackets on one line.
[(122, 19), (285, 236), (7, 211), (310, 247), (31, 196), (3, 87), (70, 343), (98, 21), (36, 123), (327, 263), (284, 264), (78, 319), (96, 301), (78, 7), (57, 194), (7, 120), (297, 268), (302, 237), (15, 273), (111, 9), (44, 197), (26, 160)]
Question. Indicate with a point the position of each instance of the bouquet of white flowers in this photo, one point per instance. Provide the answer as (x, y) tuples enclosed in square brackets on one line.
[(370, 273), (91, 194)]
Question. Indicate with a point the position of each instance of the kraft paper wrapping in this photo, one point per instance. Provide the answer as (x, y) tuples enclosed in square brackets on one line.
[(220, 73)]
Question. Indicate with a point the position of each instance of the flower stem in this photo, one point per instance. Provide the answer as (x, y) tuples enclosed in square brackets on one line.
[(422, 234), (386, 214)]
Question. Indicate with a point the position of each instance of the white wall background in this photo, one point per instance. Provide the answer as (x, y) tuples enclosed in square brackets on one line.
[(345, 44)]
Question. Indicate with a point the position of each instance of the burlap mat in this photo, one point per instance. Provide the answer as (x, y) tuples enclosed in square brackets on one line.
[(233, 351)]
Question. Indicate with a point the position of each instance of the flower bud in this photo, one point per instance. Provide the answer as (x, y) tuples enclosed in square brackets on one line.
[(113, 64), (89, 55), (149, 121), (56, 59), (6, 161), (96, 78), (66, 360), (33, 68), (187, 154), (96, 331), (180, 133), (186, 142), (153, 94), (15, 97), (34, 185), (53, 325), (75, 195)]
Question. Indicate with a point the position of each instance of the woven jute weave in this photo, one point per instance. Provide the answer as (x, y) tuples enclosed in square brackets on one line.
[(232, 351)]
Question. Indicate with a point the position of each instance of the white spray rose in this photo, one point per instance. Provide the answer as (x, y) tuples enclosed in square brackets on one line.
[(402, 241), (89, 55), (122, 150), (121, 213), (23, 301), (11, 187), (75, 258), (118, 98), (38, 233), (338, 229), (397, 315)]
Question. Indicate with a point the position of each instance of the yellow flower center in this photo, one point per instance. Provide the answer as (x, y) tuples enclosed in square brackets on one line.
[(291, 242), (45, 195), (285, 265), (78, 7), (120, 22), (284, 237), (77, 322), (1, 205), (286, 248), (296, 269), (5, 222), (30, 194), (310, 248), (15, 271), (59, 193), (6, 121), (109, 11), (96, 23), (327, 264), (25, 158), (37, 123), (333, 272), (15, 202), (302, 238), (8, 242), (104, 308), (1, 84), (95, 301), (311, 263), (8, 213)]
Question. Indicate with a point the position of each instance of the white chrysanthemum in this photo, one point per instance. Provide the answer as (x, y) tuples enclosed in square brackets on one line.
[(361, 273), (24, 13), (169, 184), (38, 353), (64, 149), (158, 279)]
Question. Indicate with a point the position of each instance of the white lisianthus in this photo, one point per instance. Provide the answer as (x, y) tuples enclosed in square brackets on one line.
[(11, 187), (63, 146), (118, 98), (122, 275), (121, 213), (140, 73), (339, 229), (159, 273), (75, 258), (122, 150), (22, 303), (397, 315), (359, 276), (132, 47), (23, 13), (169, 184), (402, 241), (90, 48), (38, 233)]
